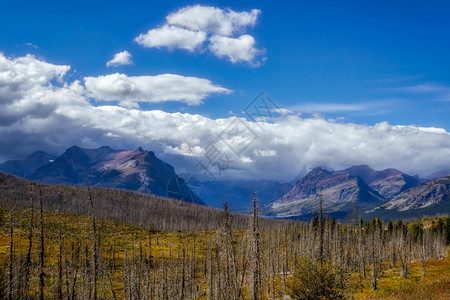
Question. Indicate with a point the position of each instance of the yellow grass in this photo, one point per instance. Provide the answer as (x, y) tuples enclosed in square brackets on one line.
[(123, 237), (436, 284)]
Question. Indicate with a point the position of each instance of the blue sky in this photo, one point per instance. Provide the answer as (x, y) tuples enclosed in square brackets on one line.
[(322, 52), (348, 61)]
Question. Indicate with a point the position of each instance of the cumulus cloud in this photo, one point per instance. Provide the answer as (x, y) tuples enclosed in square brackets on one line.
[(27, 72), (50, 115), (241, 49), (24, 76), (129, 90), (172, 37), (190, 27), (213, 20), (120, 59)]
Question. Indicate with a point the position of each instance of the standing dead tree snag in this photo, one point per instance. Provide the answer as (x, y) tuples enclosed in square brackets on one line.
[(30, 244), (42, 246), (256, 249), (321, 227), (95, 238), (231, 254)]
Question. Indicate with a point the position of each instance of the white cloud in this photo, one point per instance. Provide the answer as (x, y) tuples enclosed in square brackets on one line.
[(241, 49), (23, 75), (265, 152), (333, 107), (120, 59), (432, 91), (213, 20), (172, 37), (190, 27), (28, 71), (32, 45), (129, 90), (368, 107), (423, 88), (51, 116)]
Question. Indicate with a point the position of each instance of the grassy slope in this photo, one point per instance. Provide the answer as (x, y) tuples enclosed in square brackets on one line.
[(436, 285), (77, 230)]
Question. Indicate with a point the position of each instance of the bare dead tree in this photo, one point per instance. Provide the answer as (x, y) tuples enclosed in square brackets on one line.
[(11, 255), (42, 245), (321, 227), (30, 243), (403, 232), (257, 249), (60, 264), (95, 239)]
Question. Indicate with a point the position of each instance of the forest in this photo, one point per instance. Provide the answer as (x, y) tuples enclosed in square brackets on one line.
[(61, 242)]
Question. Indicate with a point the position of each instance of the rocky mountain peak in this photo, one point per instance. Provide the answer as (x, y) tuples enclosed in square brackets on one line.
[(388, 182), (137, 170), (339, 190), (431, 193)]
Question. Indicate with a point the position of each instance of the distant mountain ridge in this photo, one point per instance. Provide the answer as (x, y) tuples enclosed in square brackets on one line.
[(136, 170), (27, 167), (440, 173), (372, 193), (388, 183), (427, 194), (340, 191), (426, 199), (238, 193)]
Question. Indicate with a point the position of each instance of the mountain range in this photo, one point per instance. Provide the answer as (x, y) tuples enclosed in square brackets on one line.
[(340, 192), (26, 167), (365, 191), (358, 189), (426, 199), (388, 183), (135, 170)]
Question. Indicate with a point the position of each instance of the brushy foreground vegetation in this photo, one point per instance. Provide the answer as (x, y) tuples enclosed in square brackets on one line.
[(86, 244)]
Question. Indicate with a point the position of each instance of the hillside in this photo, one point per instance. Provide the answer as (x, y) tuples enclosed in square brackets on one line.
[(129, 207)]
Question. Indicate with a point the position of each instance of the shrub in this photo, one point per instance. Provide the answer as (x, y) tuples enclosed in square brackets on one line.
[(313, 280)]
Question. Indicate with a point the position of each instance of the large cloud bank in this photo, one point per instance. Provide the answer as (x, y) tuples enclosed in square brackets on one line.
[(40, 110)]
